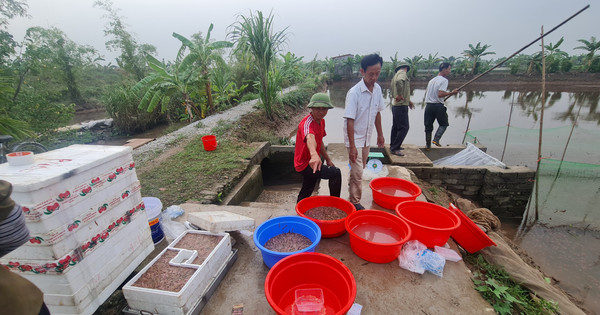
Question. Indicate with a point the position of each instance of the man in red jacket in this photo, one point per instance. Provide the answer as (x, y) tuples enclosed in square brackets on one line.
[(310, 150)]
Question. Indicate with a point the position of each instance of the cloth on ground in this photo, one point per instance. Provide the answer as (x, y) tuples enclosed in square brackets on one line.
[(484, 218)]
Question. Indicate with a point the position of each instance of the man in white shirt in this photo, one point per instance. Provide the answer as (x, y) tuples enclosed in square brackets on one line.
[(364, 102), (435, 109)]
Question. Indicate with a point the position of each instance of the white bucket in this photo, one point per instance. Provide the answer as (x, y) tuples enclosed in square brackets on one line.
[(154, 211)]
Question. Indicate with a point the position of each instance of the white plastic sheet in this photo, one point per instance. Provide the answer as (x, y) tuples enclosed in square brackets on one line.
[(470, 156)]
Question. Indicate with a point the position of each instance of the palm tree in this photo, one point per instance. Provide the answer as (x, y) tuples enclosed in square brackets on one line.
[(413, 62), (165, 83), (254, 35), (553, 50), (475, 53), (591, 46), (395, 63), (204, 54)]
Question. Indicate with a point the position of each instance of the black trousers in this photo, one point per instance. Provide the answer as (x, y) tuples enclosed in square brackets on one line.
[(333, 174), (400, 126), (435, 111)]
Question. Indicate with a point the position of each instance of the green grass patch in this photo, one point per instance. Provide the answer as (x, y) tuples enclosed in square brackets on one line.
[(192, 173), (504, 294)]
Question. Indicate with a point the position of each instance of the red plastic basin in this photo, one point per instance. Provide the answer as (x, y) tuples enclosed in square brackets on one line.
[(390, 191), (377, 236), (469, 235), (310, 271), (333, 228), (430, 224)]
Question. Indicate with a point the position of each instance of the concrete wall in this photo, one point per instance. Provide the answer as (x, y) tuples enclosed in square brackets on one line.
[(504, 191)]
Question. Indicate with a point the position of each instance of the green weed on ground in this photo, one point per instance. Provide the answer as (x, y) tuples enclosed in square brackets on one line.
[(503, 293), (194, 172)]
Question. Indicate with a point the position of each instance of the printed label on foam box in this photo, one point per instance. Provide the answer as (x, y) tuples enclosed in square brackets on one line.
[(69, 194), (58, 234), (71, 259)]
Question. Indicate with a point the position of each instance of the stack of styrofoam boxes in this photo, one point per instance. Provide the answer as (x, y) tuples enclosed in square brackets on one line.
[(185, 301), (88, 227)]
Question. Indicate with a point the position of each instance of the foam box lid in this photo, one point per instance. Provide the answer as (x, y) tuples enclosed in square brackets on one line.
[(55, 166)]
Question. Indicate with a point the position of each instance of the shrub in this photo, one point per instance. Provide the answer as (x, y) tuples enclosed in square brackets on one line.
[(42, 115), (122, 105)]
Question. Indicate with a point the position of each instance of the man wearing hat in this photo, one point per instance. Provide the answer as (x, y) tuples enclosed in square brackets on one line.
[(400, 103), (310, 150)]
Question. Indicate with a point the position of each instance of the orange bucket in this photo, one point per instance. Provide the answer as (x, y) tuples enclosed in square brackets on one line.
[(209, 142)]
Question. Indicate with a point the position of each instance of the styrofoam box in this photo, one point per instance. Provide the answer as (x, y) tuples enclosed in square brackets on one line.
[(136, 233), (182, 302), (73, 169), (70, 242), (106, 284)]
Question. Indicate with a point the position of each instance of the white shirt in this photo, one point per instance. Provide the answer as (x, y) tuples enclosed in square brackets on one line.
[(439, 83), (362, 105)]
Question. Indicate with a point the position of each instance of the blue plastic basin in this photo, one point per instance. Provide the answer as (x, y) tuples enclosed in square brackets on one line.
[(285, 224)]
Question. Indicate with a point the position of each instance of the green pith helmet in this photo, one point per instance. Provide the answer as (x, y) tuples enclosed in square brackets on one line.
[(320, 100), (404, 64)]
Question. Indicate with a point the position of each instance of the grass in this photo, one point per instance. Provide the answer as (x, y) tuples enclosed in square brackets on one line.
[(503, 293), (195, 174)]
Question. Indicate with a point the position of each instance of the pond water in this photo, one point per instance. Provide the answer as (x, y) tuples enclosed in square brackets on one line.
[(491, 110), (567, 254)]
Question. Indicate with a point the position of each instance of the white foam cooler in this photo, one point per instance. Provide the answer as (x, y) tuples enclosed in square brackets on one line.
[(88, 226), (182, 302)]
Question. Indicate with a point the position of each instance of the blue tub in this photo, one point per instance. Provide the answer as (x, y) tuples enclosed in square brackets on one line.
[(279, 225)]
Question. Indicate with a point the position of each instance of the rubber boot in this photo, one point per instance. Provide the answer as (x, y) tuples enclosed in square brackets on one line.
[(428, 140)]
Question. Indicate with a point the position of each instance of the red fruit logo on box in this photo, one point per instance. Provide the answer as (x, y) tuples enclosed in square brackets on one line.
[(39, 270), (63, 196), (36, 240), (50, 265), (95, 181), (131, 166), (73, 225), (112, 226), (25, 268), (119, 170), (111, 177), (13, 264), (85, 246), (139, 206), (52, 208), (104, 236), (125, 194), (85, 191), (26, 210), (102, 208)]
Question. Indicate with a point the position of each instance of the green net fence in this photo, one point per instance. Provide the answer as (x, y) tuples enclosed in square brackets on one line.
[(568, 192)]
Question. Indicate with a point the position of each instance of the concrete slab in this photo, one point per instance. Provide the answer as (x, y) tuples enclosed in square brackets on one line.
[(413, 156), (138, 142), (220, 221)]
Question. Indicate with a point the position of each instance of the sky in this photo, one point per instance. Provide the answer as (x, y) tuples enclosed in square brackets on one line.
[(327, 28)]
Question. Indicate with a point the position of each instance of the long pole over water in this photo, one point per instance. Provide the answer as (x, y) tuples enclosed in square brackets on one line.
[(520, 50)]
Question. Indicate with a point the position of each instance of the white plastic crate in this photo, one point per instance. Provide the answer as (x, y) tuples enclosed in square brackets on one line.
[(182, 302), (63, 177), (68, 239), (113, 251)]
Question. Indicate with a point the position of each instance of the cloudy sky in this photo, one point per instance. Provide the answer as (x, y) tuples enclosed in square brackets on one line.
[(328, 28)]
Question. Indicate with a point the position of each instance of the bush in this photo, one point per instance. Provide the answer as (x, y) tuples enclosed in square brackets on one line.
[(122, 105), (42, 115), (297, 98), (566, 65), (595, 66)]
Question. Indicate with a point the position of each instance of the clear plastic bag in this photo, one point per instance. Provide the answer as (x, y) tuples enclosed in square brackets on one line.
[(470, 156), (409, 256), (432, 262)]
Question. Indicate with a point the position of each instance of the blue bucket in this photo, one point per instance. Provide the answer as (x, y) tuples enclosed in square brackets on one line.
[(285, 224), (153, 211)]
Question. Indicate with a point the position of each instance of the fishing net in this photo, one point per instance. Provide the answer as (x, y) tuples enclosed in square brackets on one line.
[(568, 192)]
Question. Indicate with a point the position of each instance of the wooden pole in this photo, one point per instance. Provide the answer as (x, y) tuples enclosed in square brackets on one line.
[(512, 104), (520, 50)]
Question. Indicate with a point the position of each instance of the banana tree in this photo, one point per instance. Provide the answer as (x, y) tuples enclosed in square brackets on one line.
[(160, 86), (431, 61), (204, 54), (475, 53), (413, 63), (592, 46)]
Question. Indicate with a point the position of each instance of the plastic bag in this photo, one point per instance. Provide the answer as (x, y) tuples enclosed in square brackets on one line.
[(447, 253), (172, 229), (417, 258), (174, 211), (409, 256), (432, 262)]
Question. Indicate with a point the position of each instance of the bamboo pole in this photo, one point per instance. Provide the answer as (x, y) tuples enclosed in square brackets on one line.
[(539, 159), (512, 104), (520, 50)]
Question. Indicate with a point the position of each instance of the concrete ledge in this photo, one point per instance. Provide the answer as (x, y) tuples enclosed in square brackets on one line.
[(249, 188)]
